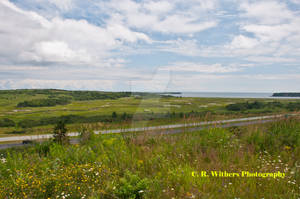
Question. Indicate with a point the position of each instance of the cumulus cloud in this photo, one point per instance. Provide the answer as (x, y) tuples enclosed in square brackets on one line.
[(161, 16), (275, 26), (242, 41), (105, 44), (267, 12), (29, 37), (269, 31)]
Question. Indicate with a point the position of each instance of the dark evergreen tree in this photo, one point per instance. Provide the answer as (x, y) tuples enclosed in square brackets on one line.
[(60, 133), (114, 115)]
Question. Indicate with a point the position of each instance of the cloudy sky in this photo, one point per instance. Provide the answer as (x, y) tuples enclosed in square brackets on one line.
[(151, 45)]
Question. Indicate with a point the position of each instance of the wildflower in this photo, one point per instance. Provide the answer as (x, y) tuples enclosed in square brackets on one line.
[(3, 160), (140, 161), (141, 191)]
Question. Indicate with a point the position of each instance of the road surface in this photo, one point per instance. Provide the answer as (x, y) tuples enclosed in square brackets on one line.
[(153, 128)]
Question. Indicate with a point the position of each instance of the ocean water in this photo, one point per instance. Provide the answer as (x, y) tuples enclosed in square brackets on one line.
[(229, 95)]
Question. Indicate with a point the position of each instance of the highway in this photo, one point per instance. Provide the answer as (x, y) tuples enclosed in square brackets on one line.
[(175, 128)]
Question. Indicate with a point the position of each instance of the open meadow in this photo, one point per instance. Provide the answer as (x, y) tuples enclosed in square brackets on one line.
[(149, 99), (253, 161), (37, 111), (146, 165)]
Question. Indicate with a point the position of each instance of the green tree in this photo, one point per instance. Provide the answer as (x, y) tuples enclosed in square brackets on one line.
[(114, 115), (60, 133), (124, 116)]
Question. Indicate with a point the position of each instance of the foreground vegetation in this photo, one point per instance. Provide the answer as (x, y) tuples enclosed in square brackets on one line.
[(151, 165)]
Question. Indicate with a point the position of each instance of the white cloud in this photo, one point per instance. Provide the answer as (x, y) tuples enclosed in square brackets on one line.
[(182, 47), (58, 51), (182, 25), (295, 1), (28, 37), (238, 83), (243, 42), (59, 84), (7, 68), (270, 60), (200, 68), (158, 7), (63, 4), (161, 16), (272, 33), (274, 30), (267, 12)]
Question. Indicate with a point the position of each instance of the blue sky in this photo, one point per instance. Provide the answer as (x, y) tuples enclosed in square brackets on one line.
[(150, 45)]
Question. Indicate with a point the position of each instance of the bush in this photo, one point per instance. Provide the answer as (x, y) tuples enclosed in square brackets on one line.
[(17, 132), (5, 122), (96, 95), (43, 149), (114, 115), (131, 186), (86, 135), (28, 123), (293, 106), (44, 102), (237, 107), (253, 105)]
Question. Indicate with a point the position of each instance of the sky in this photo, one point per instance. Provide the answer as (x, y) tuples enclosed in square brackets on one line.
[(151, 45)]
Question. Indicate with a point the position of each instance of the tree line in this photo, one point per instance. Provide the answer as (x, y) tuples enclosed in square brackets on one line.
[(114, 117), (243, 106), (44, 102)]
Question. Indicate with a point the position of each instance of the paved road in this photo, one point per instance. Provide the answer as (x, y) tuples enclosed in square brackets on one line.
[(169, 131), (163, 127)]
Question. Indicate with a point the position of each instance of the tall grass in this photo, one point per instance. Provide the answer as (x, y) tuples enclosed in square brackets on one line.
[(152, 165)]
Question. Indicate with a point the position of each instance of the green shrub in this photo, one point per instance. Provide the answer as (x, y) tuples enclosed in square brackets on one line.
[(17, 132), (131, 186), (86, 135), (28, 123), (5, 122), (293, 106), (44, 102)]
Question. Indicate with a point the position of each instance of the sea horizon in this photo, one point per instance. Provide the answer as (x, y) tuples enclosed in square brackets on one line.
[(229, 95)]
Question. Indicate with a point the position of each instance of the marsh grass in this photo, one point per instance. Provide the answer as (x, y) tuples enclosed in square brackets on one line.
[(148, 165)]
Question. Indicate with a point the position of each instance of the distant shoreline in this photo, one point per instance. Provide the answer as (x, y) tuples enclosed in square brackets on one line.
[(286, 95)]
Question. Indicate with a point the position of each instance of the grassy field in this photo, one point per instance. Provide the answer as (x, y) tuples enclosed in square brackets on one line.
[(97, 108), (159, 166)]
